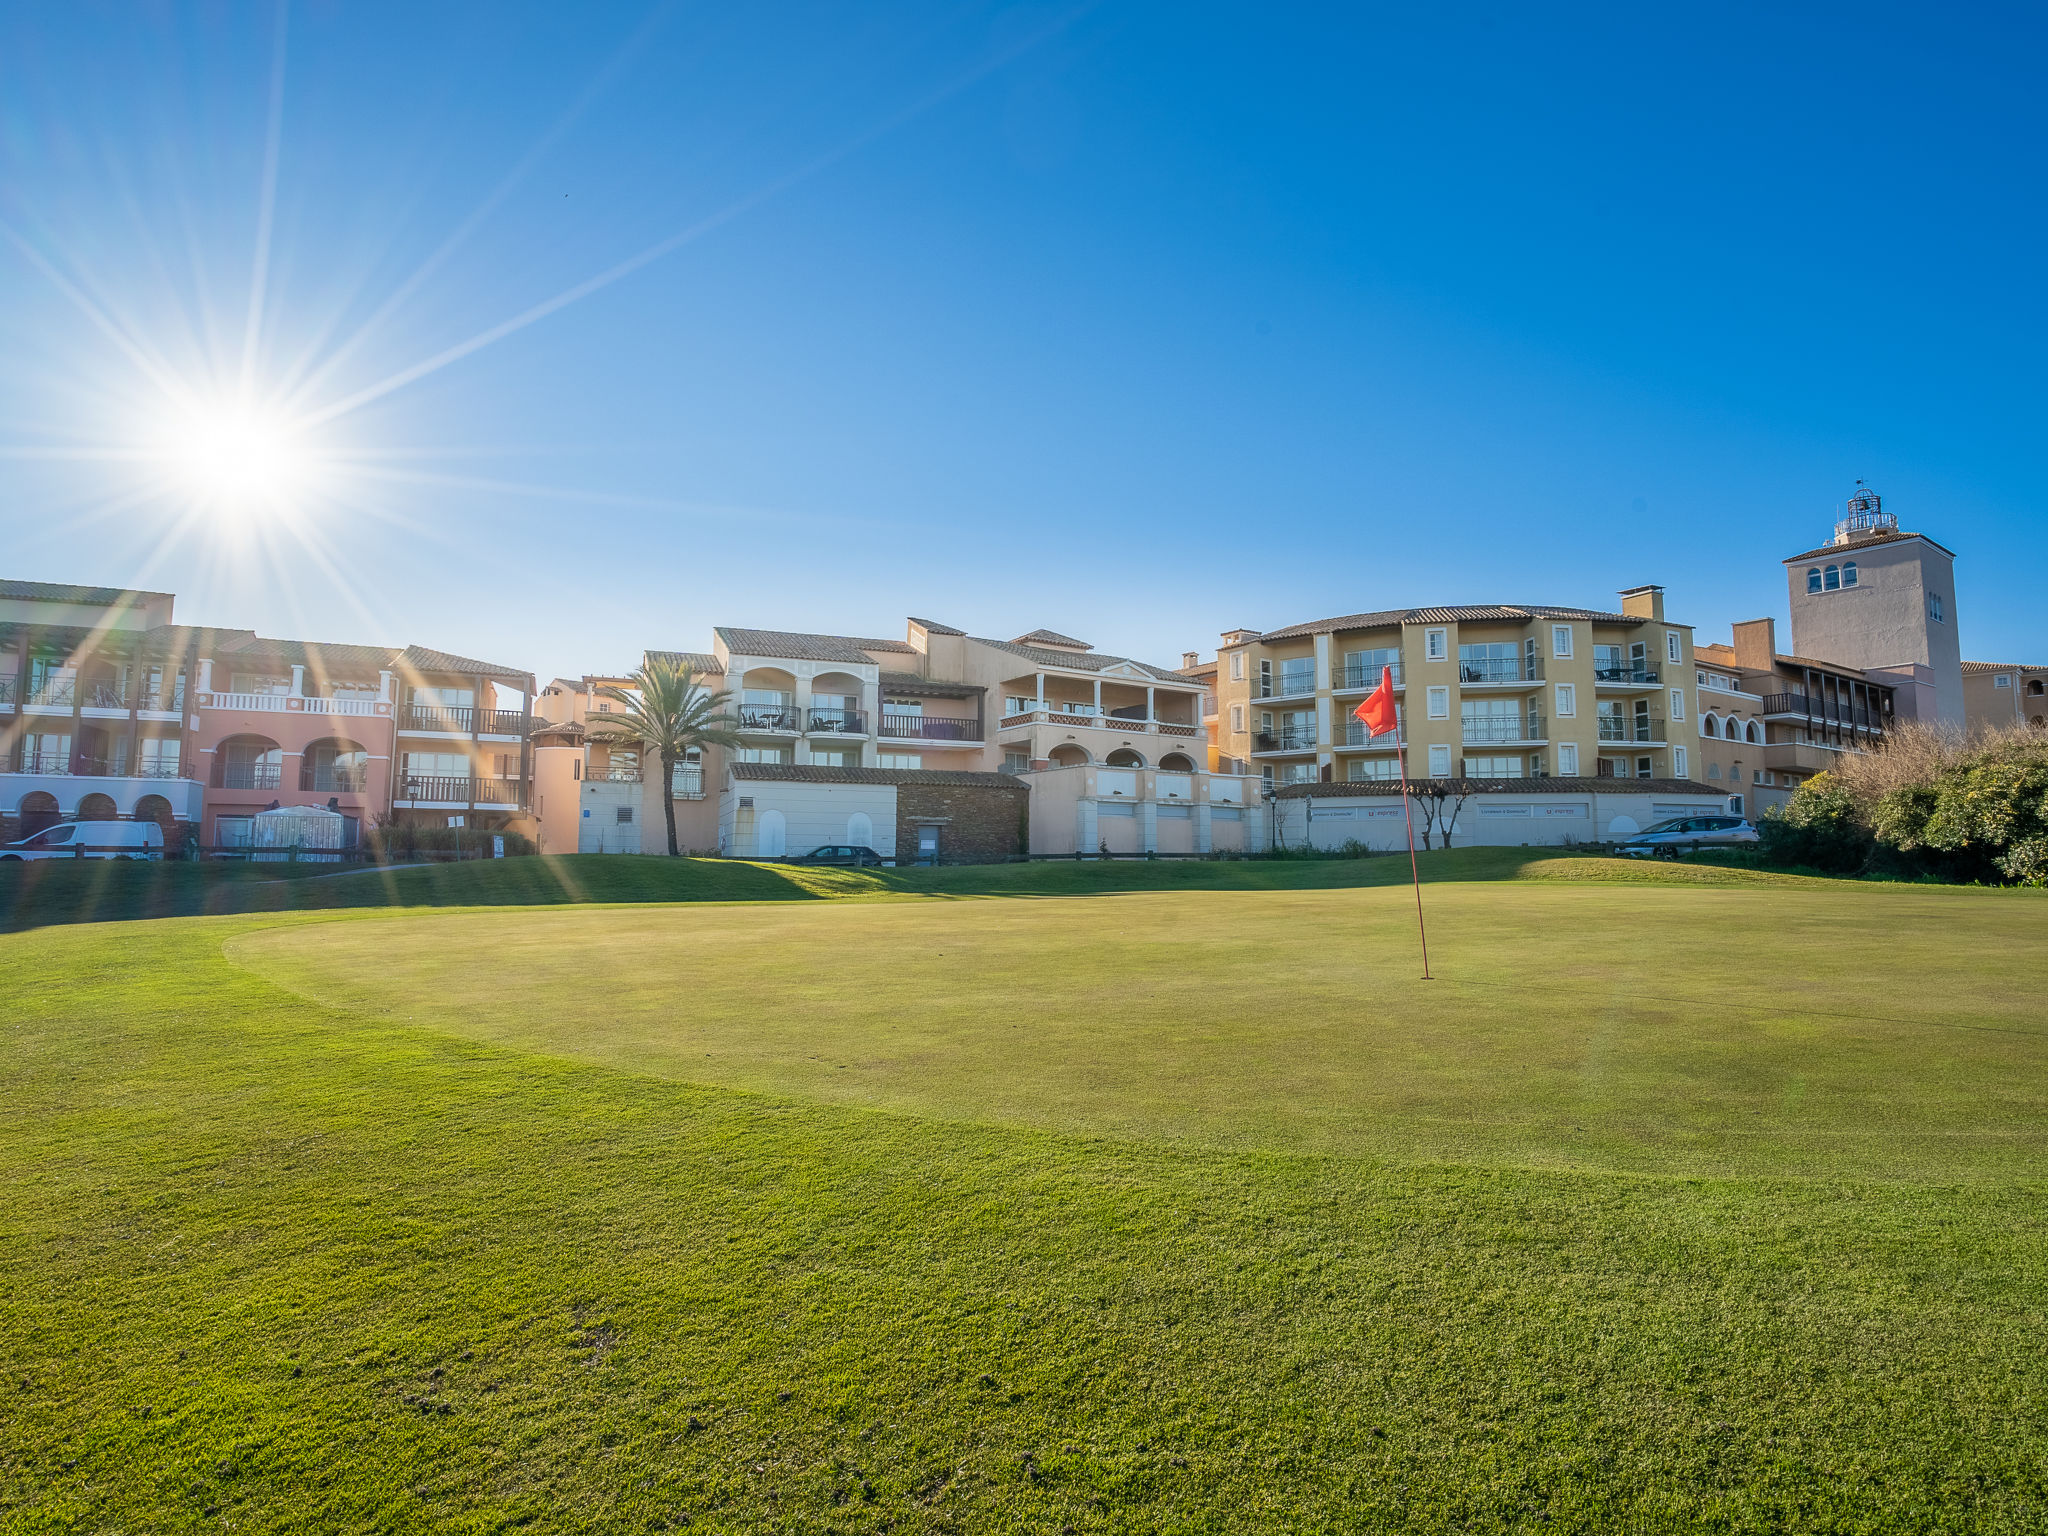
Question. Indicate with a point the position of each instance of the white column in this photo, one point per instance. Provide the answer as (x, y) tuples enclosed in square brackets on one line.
[(298, 682), (871, 705), (384, 681), (1323, 679), (1098, 696), (206, 674), (1151, 712), (1038, 691)]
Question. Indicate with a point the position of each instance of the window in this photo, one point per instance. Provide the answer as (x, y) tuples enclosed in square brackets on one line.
[(1568, 759), (1567, 701), (1755, 732), (438, 765), (1362, 668), (576, 769), (1735, 805), (1849, 573), (1266, 777), (1678, 703), (159, 758), (1439, 703), (1364, 769), (1016, 762), (1934, 606), (1298, 675), (1678, 762), (1643, 768), (625, 815), (1298, 773), (1440, 762), (232, 831), (457, 821), (761, 754), (765, 698), (1561, 640), (2001, 682), (1671, 645), (1713, 770), (1237, 666), (1834, 578), (1813, 578), (836, 757), (1265, 677), (900, 760), (1493, 767), (1436, 644), (1237, 717), (1709, 726)]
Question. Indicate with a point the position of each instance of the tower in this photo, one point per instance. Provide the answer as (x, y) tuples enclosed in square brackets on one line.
[(1882, 599)]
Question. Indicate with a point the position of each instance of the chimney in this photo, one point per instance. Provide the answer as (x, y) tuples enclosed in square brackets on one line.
[(1756, 645), (1643, 602), (1189, 660)]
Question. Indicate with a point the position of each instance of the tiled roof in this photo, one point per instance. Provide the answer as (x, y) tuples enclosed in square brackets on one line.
[(1581, 786), (818, 773), (794, 646), (696, 661), (936, 629), (2002, 666), (572, 728), (924, 687), (423, 659), (1869, 542), (1080, 661), (1508, 612), (58, 592), (1052, 637)]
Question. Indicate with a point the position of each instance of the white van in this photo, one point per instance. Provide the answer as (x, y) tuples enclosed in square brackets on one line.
[(90, 840)]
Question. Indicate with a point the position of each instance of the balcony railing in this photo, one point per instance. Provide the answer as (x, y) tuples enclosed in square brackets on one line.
[(1288, 685), (334, 781), (1488, 730), (1289, 739), (453, 789), (1823, 709), (687, 784), (768, 717), (847, 722), (46, 762), (1355, 736), (103, 696), (458, 720), (617, 773), (1346, 679), (1645, 675), (162, 700), (54, 693), (1500, 669), (1640, 729), (930, 727), (248, 776)]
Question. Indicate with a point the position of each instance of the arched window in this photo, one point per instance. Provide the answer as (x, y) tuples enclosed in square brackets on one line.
[(1756, 732), (1813, 579), (1849, 573), (1834, 581), (1709, 725)]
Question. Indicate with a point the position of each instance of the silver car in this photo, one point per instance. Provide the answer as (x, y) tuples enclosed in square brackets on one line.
[(1688, 834)]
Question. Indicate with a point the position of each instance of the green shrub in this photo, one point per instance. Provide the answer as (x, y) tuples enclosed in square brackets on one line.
[(397, 841), (1819, 828)]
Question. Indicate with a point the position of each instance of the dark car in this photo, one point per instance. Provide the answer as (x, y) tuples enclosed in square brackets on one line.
[(842, 854)]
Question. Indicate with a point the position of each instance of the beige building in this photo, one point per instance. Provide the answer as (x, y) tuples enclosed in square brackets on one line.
[(1998, 694), (1112, 750), (1485, 692)]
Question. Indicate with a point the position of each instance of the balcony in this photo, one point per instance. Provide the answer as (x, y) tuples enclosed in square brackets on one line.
[(291, 703), (1300, 738), (838, 722), (618, 773), (1355, 737), (1030, 712), (1642, 729), (1630, 676), (162, 701), (779, 718), (1491, 671), (1488, 731), (445, 720), (1800, 757), (248, 776), (1288, 685), (53, 693), (454, 792), (1355, 679), (687, 784), (1805, 707), (905, 727), (334, 781)]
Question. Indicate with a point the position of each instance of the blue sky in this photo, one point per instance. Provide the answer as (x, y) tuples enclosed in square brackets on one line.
[(1137, 322)]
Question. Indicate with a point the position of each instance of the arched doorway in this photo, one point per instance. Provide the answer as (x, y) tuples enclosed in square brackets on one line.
[(157, 809), (97, 807), (38, 810), (1126, 757), (336, 766), (248, 762), (860, 830), (1069, 755), (770, 835)]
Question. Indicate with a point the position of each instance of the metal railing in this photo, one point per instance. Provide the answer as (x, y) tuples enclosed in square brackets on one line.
[(1625, 674), (930, 727), (1344, 679), (334, 781), (1294, 738), (248, 775), (849, 722), (1288, 685), (162, 700), (1640, 729), (1355, 736), (687, 784), (618, 773), (58, 692), (103, 696), (460, 721), (1486, 729), (1500, 669), (451, 789), (6, 690), (46, 762), (1823, 709), (769, 717)]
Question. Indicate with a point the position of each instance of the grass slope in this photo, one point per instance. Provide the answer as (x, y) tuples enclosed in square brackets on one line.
[(36, 895), (272, 1264)]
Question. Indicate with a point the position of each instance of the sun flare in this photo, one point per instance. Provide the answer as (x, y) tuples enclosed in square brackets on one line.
[(240, 456)]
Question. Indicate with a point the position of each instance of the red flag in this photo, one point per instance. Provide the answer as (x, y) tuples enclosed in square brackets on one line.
[(1378, 709)]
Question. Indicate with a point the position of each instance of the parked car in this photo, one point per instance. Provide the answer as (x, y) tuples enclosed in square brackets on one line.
[(1687, 834), (89, 840), (841, 854)]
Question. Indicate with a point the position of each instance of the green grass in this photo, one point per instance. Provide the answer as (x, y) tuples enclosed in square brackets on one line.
[(1687, 1200)]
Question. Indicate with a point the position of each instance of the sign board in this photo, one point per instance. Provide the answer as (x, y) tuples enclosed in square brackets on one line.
[(497, 847)]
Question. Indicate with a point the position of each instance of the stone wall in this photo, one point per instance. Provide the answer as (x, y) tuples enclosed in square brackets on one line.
[(978, 824)]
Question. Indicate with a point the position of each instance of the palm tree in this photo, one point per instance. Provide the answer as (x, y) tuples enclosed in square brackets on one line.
[(670, 710)]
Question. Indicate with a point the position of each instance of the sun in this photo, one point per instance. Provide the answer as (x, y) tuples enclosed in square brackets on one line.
[(241, 456)]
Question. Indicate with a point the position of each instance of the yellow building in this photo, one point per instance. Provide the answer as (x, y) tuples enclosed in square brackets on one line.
[(1488, 692)]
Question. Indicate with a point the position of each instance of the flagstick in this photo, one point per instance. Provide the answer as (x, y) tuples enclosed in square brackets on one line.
[(1414, 870)]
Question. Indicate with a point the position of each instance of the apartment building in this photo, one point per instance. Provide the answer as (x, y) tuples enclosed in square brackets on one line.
[(1783, 717), (1109, 750), (1484, 692), (111, 709), (1999, 694)]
